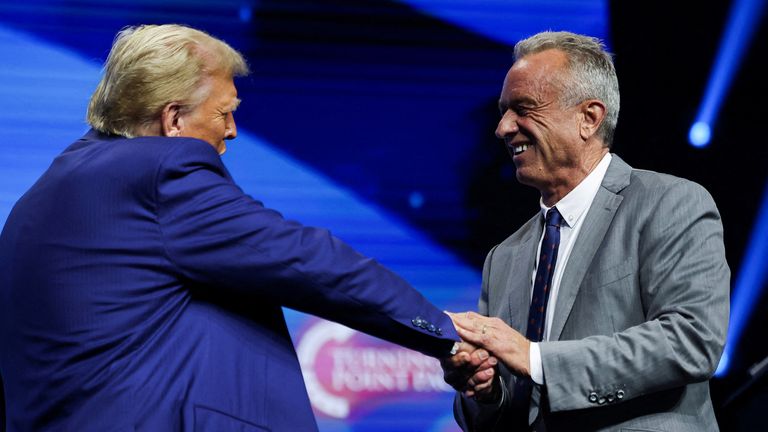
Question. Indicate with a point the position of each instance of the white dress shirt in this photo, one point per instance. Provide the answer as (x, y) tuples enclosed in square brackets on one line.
[(573, 207)]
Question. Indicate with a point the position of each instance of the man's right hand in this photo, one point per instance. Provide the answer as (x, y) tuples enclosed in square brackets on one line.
[(472, 371)]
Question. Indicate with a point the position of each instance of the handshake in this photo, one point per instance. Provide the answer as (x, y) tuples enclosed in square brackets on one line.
[(485, 343)]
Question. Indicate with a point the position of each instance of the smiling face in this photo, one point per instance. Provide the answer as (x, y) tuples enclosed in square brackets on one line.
[(545, 139), (213, 120)]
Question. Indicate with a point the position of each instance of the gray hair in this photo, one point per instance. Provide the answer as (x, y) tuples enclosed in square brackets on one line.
[(592, 74), (151, 66)]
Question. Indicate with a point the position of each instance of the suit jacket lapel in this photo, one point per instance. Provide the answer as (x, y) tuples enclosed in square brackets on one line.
[(521, 270), (596, 224)]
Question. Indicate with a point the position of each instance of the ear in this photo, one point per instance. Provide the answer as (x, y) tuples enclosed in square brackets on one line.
[(171, 121), (593, 112)]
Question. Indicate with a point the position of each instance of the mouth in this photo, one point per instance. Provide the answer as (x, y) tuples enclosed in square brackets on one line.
[(519, 149)]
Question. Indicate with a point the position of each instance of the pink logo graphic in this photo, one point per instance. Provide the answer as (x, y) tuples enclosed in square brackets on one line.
[(342, 367)]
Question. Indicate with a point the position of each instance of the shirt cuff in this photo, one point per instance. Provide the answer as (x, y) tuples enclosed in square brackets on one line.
[(537, 371)]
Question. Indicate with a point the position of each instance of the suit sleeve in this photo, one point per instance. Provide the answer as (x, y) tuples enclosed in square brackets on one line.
[(684, 285), (470, 414), (220, 238)]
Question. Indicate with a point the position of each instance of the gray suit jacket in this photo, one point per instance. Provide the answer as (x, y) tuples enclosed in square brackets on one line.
[(641, 314)]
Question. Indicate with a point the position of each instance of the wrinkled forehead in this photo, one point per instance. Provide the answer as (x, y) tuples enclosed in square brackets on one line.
[(537, 72), (540, 65)]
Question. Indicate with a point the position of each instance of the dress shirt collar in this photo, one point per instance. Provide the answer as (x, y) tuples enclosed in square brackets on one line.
[(573, 206)]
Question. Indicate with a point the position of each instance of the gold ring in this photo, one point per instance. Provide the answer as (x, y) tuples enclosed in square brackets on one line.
[(482, 330)]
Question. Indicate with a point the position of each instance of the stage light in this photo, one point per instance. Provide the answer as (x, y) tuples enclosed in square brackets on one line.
[(723, 365), (742, 23), (700, 134), (246, 13), (749, 283), (416, 199)]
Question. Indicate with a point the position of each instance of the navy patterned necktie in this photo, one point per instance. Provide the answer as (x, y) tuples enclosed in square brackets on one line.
[(538, 310), (544, 273)]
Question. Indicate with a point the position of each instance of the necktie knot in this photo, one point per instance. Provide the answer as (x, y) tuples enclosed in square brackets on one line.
[(554, 218)]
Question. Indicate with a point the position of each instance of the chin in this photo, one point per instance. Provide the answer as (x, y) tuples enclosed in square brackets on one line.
[(522, 178)]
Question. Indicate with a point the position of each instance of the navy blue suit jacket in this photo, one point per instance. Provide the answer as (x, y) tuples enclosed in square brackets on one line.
[(141, 289)]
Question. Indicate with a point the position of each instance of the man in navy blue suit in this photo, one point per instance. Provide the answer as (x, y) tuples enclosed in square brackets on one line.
[(141, 289)]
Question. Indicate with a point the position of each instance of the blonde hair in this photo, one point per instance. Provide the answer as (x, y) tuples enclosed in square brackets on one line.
[(151, 66)]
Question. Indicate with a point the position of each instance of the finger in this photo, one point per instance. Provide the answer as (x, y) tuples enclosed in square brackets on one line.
[(474, 315), (456, 373), (475, 378), (476, 339), (484, 387), (466, 347), (481, 377), (479, 356), (481, 380), (456, 379), (458, 360), (490, 362), (462, 320), (472, 321)]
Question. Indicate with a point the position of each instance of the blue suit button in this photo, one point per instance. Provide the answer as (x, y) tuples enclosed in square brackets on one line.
[(610, 398), (431, 328), (620, 394), (416, 321), (439, 331), (593, 397)]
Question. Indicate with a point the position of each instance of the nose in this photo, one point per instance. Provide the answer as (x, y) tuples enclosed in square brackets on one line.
[(507, 125), (231, 130)]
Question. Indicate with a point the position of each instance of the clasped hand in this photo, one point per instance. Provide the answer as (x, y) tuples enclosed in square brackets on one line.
[(485, 342)]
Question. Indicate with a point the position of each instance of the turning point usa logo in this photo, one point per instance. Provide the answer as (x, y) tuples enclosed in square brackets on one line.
[(343, 367)]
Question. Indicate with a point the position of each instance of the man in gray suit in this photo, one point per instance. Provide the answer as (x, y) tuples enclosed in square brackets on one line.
[(612, 314)]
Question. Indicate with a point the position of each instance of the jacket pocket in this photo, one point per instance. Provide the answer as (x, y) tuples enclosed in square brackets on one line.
[(608, 275)]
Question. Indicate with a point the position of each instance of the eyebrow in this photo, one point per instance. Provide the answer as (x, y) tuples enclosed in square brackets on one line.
[(524, 100), (235, 104)]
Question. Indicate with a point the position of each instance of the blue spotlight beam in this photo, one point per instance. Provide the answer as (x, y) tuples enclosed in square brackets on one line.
[(749, 284), (742, 23), (508, 21)]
